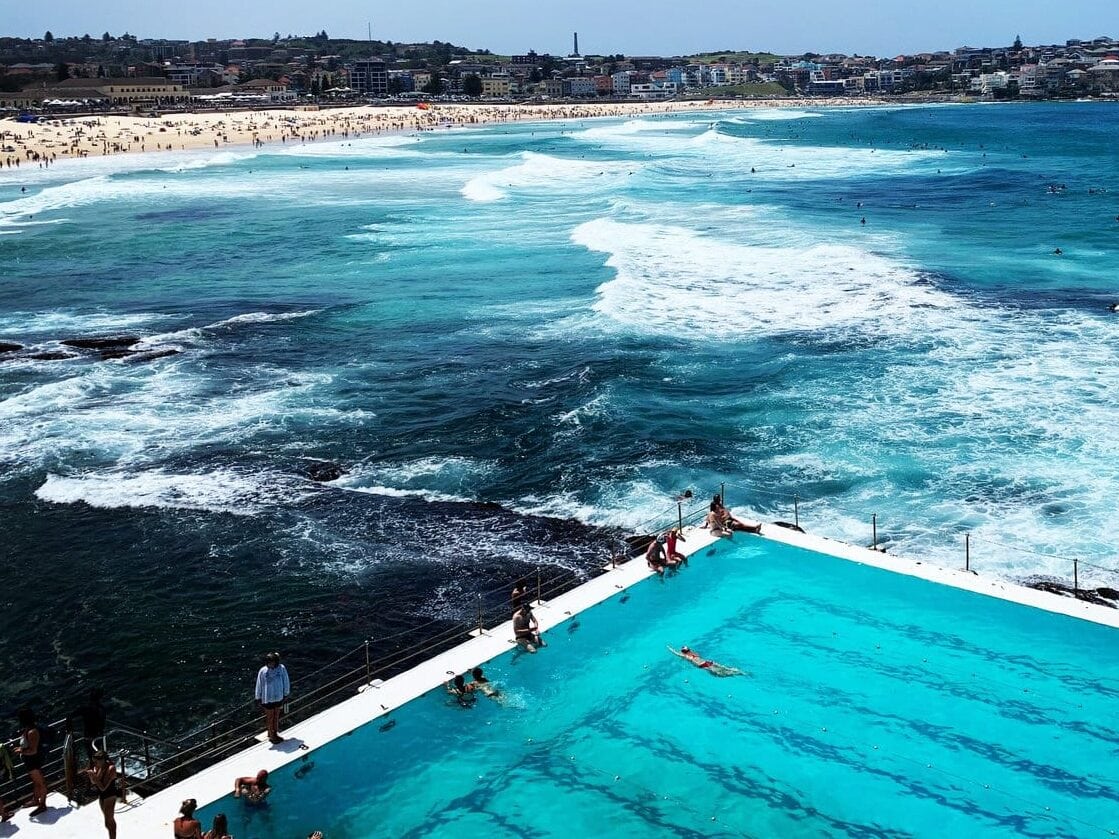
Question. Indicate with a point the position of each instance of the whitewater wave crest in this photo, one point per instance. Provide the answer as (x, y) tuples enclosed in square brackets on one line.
[(545, 172), (230, 491), (673, 280)]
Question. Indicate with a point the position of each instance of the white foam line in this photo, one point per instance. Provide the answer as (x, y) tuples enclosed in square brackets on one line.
[(154, 816)]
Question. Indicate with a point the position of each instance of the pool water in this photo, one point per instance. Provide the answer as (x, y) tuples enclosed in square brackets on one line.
[(875, 705)]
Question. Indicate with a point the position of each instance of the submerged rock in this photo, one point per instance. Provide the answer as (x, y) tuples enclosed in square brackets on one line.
[(324, 471), (149, 355), (120, 342), (5, 346), (50, 356)]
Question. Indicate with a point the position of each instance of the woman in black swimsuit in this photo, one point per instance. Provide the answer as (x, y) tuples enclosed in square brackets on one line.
[(30, 748), (103, 776)]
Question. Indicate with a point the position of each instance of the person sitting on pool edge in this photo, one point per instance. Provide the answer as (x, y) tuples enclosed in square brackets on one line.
[(670, 552), (254, 789), (526, 630), (728, 521), (712, 667), (657, 558)]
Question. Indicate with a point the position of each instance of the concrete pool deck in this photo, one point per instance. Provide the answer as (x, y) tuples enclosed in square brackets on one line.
[(153, 816)]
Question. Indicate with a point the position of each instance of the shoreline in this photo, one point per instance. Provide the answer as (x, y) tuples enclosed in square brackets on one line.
[(41, 144)]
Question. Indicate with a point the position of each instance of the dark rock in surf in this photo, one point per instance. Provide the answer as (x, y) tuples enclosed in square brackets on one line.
[(1100, 596), (50, 356), (323, 471), (7, 347), (114, 343), (149, 355)]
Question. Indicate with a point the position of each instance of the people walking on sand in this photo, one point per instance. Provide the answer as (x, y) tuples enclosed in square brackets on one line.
[(186, 825), (102, 776), (526, 629), (32, 750), (272, 689), (712, 667)]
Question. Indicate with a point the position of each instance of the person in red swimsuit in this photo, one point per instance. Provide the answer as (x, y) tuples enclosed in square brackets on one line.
[(673, 556)]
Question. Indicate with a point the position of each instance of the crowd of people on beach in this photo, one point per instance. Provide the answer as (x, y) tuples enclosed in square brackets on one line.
[(46, 140)]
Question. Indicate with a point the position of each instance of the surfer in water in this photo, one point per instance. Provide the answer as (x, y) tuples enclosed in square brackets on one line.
[(712, 667)]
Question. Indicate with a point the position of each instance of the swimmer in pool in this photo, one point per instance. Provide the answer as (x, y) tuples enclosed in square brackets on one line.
[(712, 667)]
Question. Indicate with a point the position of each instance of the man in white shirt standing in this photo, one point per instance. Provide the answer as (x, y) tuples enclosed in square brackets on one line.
[(272, 689)]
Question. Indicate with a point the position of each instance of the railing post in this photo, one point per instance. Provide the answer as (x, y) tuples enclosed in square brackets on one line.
[(1075, 577), (796, 510), (538, 589), (874, 531), (680, 514), (147, 754), (479, 614), (123, 779), (368, 671), (967, 551), (723, 492)]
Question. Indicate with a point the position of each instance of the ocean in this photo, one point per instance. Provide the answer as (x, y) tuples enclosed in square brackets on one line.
[(519, 342)]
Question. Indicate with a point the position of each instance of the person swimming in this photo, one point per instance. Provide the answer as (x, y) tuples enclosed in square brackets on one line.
[(712, 667), (482, 685), (461, 691)]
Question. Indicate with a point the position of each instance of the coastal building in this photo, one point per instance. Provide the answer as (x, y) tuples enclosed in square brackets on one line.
[(497, 86), (622, 82), (266, 88), (370, 77), (579, 87)]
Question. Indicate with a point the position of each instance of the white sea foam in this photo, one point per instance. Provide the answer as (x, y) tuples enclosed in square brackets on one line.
[(220, 491), (134, 416), (452, 478), (393, 145), (196, 334), (73, 324), (775, 115), (544, 172), (675, 281)]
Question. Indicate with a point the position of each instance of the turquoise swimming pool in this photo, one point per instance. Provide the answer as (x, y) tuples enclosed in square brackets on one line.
[(875, 705)]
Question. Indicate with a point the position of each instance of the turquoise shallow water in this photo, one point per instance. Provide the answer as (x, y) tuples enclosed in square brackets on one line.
[(875, 705), (511, 338)]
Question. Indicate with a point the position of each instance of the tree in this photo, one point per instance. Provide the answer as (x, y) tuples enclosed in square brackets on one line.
[(49, 36), (1017, 43), (396, 85), (435, 86), (62, 71), (472, 85), (106, 37)]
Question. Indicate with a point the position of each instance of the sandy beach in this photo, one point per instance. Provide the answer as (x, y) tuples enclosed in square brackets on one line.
[(42, 143)]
